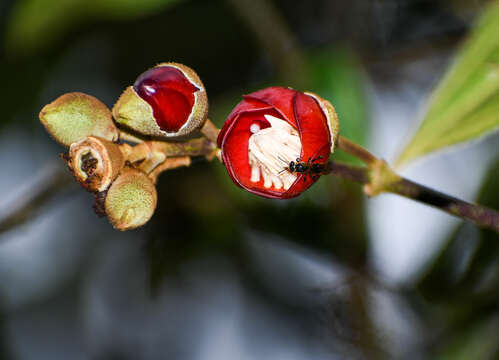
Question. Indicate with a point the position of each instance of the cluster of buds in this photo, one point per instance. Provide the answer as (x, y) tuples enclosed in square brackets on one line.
[(275, 143), (166, 103)]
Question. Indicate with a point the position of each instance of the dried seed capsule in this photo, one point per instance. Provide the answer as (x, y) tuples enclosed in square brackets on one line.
[(96, 162)]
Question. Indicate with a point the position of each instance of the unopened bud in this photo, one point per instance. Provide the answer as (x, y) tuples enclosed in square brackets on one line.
[(131, 200), (74, 116)]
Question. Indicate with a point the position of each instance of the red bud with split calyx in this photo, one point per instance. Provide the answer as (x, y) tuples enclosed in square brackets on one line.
[(166, 101)]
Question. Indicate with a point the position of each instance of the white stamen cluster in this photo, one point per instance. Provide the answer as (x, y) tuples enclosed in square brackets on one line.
[(270, 151)]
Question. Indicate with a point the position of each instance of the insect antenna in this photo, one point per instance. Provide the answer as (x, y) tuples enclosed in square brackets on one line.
[(280, 158)]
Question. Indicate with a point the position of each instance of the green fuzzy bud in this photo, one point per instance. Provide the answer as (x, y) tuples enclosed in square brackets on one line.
[(131, 200), (74, 116)]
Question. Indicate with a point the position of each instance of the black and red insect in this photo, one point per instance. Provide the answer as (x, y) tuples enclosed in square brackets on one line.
[(310, 168)]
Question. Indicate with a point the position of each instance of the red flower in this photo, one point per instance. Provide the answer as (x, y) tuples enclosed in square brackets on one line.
[(267, 131)]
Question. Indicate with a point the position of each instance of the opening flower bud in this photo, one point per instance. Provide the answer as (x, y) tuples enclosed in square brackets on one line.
[(96, 162), (74, 116), (131, 200), (276, 142), (168, 100)]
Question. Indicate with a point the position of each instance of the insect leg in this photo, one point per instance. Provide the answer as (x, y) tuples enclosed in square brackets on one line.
[(317, 158)]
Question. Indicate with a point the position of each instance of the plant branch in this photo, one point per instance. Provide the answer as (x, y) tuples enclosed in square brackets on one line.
[(49, 183), (351, 172), (480, 215), (356, 150), (195, 147)]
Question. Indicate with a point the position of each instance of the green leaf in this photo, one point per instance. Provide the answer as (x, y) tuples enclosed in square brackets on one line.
[(34, 24), (465, 105), (476, 342)]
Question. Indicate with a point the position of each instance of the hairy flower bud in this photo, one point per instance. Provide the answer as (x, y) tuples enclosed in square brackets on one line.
[(276, 142), (131, 200), (96, 162), (168, 100), (74, 116)]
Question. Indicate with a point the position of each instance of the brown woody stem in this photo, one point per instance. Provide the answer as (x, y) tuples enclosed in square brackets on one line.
[(351, 172), (481, 215), (392, 183)]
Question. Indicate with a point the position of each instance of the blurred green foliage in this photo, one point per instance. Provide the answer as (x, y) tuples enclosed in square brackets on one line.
[(466, 103), (475, 342), (35, 24), (336, 75)]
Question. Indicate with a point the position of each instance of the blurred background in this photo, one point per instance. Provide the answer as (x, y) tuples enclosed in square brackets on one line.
[(218, 273)]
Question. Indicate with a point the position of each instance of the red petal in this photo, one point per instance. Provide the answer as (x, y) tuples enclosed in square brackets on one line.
[(280, 98), (170, 94), (312, 127), (301, 184), (247, 105)]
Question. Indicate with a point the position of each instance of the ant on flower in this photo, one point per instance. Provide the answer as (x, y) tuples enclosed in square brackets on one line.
[(310, 168)]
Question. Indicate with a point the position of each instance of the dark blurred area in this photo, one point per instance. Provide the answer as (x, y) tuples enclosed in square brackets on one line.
[(218, 273)]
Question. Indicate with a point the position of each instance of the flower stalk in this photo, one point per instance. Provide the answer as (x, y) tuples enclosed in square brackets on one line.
[(210, 131), (356, 150), (379, 178), (170, 164)]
